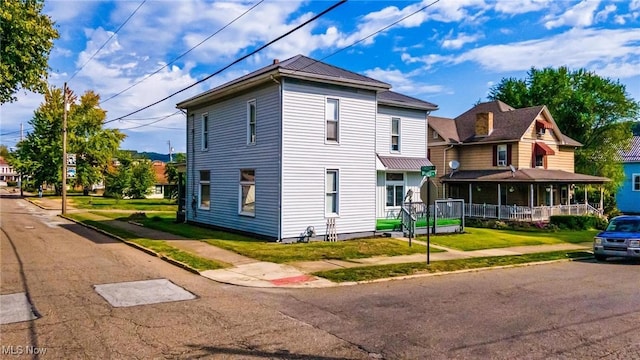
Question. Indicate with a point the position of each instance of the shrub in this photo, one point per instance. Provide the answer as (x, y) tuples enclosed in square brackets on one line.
[(12, 183), (138, 216), (577, 222)]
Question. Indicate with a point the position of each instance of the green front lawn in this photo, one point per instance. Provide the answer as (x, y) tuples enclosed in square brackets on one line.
[(276, 252), (390, 224), (481, 238), (99, 203)]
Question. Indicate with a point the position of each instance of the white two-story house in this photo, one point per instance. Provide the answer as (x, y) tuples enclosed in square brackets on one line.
[(300, 142)]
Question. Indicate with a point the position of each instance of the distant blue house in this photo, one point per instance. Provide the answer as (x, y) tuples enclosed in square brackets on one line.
[(628, 196)]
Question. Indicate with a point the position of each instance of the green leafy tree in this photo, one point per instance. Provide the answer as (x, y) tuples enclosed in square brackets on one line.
[(593, 110), (40, 154), (4, 151), (142, 179), (26, 38), (171, 173), (635, 128), (118, 176)]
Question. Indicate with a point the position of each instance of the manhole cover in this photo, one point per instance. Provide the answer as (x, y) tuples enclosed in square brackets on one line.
[(142, 292)]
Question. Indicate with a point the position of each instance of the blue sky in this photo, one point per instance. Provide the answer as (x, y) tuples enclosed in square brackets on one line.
[(450, 53)]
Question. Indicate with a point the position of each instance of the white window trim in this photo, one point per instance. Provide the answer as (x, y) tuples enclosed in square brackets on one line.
[(240, 184), (327, 141), (337, 213), (633, 181), (394, 183), (204, 135), (200, 183), (399, 135), (255, 136)]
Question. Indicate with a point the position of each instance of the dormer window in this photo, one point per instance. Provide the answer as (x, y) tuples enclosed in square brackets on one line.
[(542, 126)]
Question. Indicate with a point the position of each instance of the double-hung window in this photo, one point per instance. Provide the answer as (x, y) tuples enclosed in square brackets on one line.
[(395, 134), (251, 122), (332, 115), (204, 193), (205, 132), (635, 178), (331, 190), (247, 192), (395, 189), (502, 155)]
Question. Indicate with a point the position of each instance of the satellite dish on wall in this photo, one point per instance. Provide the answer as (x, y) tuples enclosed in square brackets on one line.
[(454, 164)]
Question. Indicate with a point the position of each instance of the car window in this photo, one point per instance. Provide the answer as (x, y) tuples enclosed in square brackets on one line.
[(624, 226)]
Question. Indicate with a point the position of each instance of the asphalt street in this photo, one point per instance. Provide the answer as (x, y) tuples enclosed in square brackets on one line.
[(568, 310)]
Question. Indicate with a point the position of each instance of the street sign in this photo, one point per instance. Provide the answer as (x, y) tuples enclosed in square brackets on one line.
[(429, 171), (71, 172), (71, 159)]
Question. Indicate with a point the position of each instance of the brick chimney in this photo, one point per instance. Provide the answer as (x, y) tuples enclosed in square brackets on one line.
[(275, 61), (484, 123)]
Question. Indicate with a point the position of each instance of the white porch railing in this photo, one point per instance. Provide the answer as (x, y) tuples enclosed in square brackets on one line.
[(526, 213)]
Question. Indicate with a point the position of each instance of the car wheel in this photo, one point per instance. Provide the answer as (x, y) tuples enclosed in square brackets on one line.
[(600, 257)]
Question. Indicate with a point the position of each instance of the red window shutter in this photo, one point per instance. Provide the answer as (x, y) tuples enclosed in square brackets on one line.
[(508, 154), (495, 155)]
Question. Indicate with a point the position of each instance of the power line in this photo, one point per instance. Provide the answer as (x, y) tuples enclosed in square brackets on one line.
[(153, 122), (235, 61), (109, 39), (185, 53)]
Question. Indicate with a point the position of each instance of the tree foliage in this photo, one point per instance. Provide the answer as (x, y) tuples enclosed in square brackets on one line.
[(171, 173), (26, 38), (40, 154), (129, 177), (593, 110)]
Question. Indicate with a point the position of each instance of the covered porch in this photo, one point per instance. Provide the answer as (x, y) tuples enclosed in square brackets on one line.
[(522, 195)]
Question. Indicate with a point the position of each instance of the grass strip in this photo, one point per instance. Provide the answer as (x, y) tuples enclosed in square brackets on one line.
[(395, 270), (481, 238), (99, 202), (158, 246)]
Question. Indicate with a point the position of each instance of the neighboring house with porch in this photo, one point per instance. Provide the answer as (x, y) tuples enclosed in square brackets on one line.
[(300, 144), (507, 163), (7, 173), (628, 196)]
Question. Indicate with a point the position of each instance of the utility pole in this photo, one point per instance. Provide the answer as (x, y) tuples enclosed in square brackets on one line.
[(170, 151), (64, 152), (20, 175)]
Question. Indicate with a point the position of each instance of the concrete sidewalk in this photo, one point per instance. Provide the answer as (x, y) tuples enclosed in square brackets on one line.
[(244, 271)]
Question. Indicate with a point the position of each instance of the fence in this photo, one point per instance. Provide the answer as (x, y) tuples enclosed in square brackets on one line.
[(526, 213)]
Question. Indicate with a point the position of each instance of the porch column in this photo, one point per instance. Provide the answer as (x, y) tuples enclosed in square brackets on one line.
[(531, 196), (601, 198), (551, 195), (586, 201), (499, 200), (470, 193)]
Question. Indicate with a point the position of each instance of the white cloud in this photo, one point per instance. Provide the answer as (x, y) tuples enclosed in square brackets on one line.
[(403, 82), (513, 7), (428, 60), (460, 41), (604, 14), (580, 15), (597, 50), (634, 5)]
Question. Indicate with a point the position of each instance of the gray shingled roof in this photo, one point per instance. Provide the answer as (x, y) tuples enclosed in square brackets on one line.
[(403, 163), (300, 66), (523, 176), (633, 155), (395, 99)]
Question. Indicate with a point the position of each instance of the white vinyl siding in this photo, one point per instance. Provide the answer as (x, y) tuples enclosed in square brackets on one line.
[(412, 132), (204, 140), (305, 158), (230, 153), (251, 122)]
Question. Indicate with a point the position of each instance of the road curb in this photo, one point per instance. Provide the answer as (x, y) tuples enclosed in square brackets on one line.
[(134, 245)]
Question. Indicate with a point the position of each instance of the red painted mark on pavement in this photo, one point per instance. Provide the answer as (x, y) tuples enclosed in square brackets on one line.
[(291, 280)]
